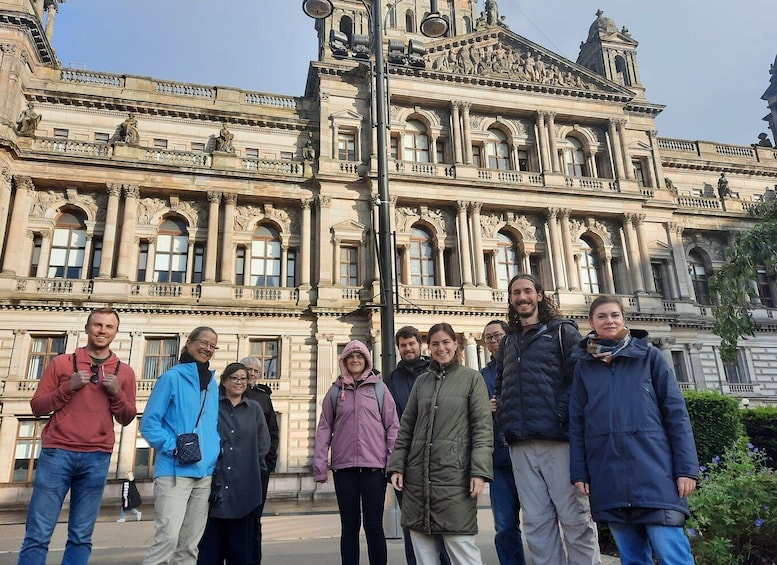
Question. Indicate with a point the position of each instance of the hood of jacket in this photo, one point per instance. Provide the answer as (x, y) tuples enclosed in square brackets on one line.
[(359, 347)]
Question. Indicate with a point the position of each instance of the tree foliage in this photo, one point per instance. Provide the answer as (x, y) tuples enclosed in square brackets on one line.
[(735, 282)]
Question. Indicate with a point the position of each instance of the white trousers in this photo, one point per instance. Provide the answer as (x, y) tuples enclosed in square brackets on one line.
[(461, 549)]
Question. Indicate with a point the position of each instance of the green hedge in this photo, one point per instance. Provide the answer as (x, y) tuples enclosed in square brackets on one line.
[(715, 420), (761, 427)]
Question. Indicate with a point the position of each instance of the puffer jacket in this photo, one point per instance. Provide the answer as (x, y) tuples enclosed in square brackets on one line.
[(172, 409), (359, 435), (630, 434), (445, 439), (401, 380), (533, 382)]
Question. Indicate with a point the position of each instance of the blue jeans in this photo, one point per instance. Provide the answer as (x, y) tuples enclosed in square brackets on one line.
[(635, 541), (505, 508), (60, 470)]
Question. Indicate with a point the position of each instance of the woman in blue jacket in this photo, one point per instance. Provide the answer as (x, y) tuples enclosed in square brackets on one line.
[(184, 400), (631, 443)]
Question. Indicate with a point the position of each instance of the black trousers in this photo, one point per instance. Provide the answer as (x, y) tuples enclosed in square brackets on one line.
[(361, 493), (226, 540)]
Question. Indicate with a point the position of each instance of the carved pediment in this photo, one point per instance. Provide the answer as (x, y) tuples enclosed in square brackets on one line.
[(504, 55)]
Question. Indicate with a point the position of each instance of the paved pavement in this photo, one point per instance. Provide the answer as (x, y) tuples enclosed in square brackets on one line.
[(295, 533)]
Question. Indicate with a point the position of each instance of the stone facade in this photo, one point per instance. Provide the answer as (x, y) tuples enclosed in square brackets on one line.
[(504, 157)]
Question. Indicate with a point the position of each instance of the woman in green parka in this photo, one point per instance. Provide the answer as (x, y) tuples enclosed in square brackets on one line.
[(442, 456)]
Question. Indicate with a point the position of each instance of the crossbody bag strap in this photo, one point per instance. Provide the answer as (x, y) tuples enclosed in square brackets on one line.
[(202, 407)]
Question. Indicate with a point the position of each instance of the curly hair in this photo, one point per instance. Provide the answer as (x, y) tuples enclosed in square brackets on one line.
[(546, 308)]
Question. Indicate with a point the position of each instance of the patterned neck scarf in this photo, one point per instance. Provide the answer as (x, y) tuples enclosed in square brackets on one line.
[(604, 348)]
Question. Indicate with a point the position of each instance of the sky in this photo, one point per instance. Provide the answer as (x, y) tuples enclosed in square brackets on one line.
[(707, 60)]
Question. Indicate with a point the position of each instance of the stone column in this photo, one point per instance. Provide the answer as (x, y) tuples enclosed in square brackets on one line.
[(621, 126), (467, 141), (554, 161), (471, 353), (433, 148), (284, 264), (227, 245), (127, 241), (609, 280), (151, 261), (109, 231), (326, 357), (190, 264), (406, 264), (14, 260), (477, 242), (456, 130), (440, 262), (569, 255), (465, 253), (324, 241), (87, 254), (614, 149), (555, 249), (542, 133), (5, 202), (635, 263), (305, 266), (45, 254), (674, 231), (656, 160), (214, 200), (644, 253)]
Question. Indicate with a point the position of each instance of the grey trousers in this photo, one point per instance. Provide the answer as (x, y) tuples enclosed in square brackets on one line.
[(461, 549), (548, 499), (181, 515)]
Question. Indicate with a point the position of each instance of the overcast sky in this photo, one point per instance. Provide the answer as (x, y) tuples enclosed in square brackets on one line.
[(706, 60)]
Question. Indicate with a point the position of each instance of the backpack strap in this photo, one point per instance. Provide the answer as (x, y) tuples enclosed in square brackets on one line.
[(380, 392)]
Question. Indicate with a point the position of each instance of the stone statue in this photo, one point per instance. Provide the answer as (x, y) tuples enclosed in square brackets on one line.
[(128, 130), (723, 189), (224, 140), (670, 185), (763, 140), (492, 12), (309, 152), (28, 121)]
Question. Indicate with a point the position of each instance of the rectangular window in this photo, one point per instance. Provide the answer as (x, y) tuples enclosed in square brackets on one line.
[(736, 373), (144, 456), (252, 152), (523, 160), (61, 133), (42, 350), (346, 146), (161, 354), (534, 265), (199, 262), (678, 364), (28, 444), (291, 268), (394, 147), (160, 143), (101, 137), (240, 265), (349, 265), (659, 280), (142, 260), (266, 350), (97, 255), (477, 156), (440, 151), (287, 156), (198, 147), (765, 288), (639, 173), (37, 243)]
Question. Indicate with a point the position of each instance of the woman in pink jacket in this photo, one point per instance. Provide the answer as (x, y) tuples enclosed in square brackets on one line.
[(359, 424)]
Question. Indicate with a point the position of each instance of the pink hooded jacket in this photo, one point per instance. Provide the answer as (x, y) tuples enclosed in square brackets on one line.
[(358, 434)]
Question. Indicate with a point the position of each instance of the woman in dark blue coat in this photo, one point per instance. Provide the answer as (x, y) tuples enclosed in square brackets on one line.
[(631, 443)]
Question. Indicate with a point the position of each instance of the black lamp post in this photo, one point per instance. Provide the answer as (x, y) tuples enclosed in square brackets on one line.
[(432, 25)]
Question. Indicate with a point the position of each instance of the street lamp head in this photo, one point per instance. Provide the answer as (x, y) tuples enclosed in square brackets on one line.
[(434, 25), (317, 9)]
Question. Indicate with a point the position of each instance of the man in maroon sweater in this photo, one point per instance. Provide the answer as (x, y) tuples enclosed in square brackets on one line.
[(83, 392)]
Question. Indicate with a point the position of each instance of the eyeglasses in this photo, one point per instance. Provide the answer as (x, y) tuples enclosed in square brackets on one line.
[(95, 378), (493, 337), (249, 370), (209, 345), (238, 379)]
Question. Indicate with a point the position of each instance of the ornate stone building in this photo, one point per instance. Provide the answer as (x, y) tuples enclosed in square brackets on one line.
[(184, 205)]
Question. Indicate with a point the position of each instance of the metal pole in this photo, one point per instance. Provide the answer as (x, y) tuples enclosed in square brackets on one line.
[(385, 250)]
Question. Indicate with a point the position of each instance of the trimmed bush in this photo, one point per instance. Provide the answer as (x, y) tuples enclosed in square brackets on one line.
[(761, 427), (715, 420)]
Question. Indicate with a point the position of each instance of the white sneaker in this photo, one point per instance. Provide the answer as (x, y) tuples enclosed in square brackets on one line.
[(138, 515), (120, 521)]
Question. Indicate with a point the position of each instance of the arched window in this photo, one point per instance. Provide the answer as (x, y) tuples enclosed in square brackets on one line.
[(346, 26), (621, 71), (266, 257), (68, 246), (497, 150), (410, 21), (698, 272), (574, 157), (415, 142), (507, 260), (421, 258), (590, 267), (172, 250)]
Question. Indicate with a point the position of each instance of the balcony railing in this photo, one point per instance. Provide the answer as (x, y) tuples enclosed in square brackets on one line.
[(55, 286), (166, 290), (267, 294), (423, 295), (588, 183), (73, 147)]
